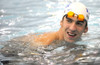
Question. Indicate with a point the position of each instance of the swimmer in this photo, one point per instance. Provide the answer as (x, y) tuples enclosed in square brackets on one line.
[(73, 25)]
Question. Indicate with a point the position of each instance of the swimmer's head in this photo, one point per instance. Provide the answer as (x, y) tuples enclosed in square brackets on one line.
[(79, 9)]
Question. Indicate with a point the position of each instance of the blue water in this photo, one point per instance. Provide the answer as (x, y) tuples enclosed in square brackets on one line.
[(21, 17)]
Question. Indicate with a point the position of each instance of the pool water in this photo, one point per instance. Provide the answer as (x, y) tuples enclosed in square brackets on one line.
[(22, 17)]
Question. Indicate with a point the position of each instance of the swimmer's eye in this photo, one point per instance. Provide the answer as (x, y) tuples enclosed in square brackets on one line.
[(69, 20), (80, 23)]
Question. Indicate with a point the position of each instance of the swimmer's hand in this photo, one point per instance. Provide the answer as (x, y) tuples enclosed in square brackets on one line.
[(35, 54)]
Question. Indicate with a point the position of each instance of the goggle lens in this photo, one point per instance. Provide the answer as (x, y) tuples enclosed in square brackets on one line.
[(80, 17), (72, 14)]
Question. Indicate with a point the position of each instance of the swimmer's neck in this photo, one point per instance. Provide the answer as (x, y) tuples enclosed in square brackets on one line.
[(60, 34)]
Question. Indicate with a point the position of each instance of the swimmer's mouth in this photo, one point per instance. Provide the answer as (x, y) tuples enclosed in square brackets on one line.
[(71, 35)]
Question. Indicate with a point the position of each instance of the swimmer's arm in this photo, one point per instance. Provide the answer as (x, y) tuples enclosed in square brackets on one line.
[(37, 40)]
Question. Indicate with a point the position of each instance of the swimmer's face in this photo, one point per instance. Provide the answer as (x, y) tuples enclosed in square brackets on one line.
[(72, 28)]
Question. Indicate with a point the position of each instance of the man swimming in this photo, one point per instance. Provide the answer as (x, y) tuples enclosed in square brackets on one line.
[(73, 25)]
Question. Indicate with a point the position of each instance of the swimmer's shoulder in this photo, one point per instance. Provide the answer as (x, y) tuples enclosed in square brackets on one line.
[(46, 38)]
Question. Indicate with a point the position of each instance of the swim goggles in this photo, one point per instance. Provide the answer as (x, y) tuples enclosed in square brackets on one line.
[(72, 14)]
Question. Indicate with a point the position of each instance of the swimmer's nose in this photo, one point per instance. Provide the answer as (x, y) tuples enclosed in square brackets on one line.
[(73, 27)]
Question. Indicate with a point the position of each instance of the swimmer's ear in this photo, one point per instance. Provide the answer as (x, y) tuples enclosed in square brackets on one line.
[(61, 23), (86, 30)]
